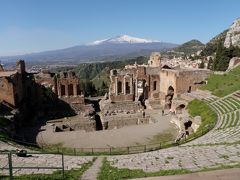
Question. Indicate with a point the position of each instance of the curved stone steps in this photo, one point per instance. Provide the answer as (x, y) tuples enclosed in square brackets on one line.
[(227, 105), (234, 106)]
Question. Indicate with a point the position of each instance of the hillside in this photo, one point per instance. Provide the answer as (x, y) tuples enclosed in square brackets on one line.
[(222, 85), (211, 46), (190, 47), (97, 74), (101, 50)]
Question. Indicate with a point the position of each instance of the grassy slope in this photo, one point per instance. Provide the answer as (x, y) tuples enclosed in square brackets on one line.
[(222, 85), (209, 117)]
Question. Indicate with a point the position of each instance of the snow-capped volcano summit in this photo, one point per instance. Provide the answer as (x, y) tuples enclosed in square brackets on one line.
[(122, 39), (123, 46)]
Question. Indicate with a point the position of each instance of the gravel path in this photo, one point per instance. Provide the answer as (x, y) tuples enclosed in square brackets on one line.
[(92, 172)]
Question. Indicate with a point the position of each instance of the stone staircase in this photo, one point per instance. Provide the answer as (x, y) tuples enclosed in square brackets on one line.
[(153, 104), (227, 129)]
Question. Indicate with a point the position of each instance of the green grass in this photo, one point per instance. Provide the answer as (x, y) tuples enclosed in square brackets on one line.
[(209, 117), (69, 174), (222, 85), (112, 173)]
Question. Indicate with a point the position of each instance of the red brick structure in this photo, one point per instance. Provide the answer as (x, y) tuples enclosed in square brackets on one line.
[(66, 85), (15, 85), (154, 81)]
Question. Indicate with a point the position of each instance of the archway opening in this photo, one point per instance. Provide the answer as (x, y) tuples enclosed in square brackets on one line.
[(169, 97), (70, 90), (119, 87), (63, 93)]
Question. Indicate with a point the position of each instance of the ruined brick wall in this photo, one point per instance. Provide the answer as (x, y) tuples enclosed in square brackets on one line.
[(117, 123), (7, 91), (188, 81), (45, 79), (121, 86), (182, 81), (16, 86), (148, 77), (154, 86), (121, 98), (1, 68), (73, 99), (167, 79), (67, 84), (155, 59)]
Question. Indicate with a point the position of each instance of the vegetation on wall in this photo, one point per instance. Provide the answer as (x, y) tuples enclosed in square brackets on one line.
[(94, 77)]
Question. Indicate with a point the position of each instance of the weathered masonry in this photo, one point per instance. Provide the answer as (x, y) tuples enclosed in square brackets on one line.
[(153, 82), (16, 85), (65, 85)]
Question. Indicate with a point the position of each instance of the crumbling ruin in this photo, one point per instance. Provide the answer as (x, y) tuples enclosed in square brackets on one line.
[(153, 83)]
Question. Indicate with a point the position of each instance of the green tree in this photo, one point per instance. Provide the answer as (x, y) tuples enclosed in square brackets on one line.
[(210, 63)]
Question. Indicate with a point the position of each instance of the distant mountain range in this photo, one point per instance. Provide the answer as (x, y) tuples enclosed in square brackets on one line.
[(112, 48)]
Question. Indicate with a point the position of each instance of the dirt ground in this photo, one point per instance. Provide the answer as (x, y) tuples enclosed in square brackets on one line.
[(126, 136)]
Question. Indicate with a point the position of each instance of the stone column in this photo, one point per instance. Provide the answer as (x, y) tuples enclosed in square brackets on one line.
[(124, 85), (116, 86), (75, 89), (136, 90), (131, 85), (59, 90)]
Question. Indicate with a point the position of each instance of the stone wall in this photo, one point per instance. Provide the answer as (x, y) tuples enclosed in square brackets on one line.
[(6, 91), (121, 98), (182, 81), (234, 62), (14, 84), (73, 99), (119, 122)]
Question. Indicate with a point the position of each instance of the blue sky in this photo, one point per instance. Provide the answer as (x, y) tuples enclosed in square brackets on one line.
[(38, 25)]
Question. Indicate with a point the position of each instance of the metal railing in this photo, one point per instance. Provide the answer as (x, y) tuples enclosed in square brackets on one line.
[(109, 150), (10, 167)]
